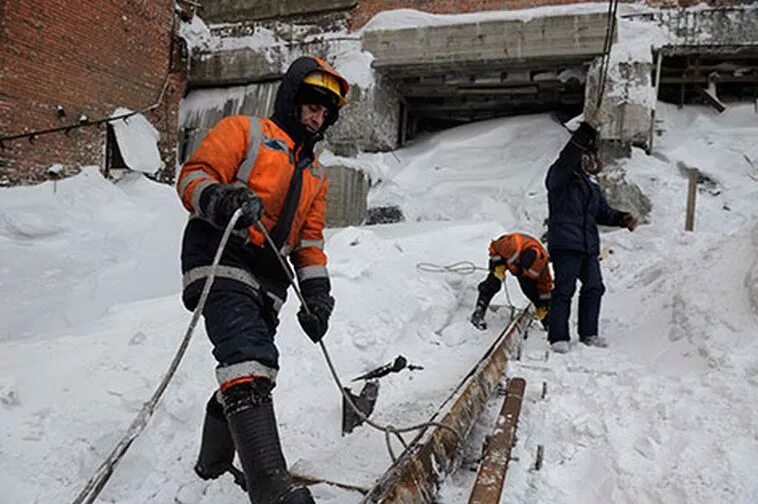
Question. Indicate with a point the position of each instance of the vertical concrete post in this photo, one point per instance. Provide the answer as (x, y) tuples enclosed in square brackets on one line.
[(691, 194)]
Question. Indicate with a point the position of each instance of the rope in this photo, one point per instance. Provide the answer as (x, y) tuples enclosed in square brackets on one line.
[(460, 267), (98, 480)]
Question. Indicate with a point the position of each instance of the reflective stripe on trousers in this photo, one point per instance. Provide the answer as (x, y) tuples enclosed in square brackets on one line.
[(232, 273)]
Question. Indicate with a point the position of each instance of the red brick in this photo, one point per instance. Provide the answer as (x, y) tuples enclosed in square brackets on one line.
[(90, 57)]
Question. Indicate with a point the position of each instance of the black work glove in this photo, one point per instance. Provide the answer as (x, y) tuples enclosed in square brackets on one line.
[(585, 136), (220, 201), (628, 221), (315, 321)]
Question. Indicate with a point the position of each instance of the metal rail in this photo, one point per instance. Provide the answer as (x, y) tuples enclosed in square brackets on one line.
[(416, 475), (491, 476)]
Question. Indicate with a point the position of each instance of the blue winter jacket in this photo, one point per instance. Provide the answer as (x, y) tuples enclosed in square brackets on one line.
[(575, 205)]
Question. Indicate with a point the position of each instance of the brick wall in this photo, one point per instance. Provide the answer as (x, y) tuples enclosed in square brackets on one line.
[(88, 57), (366, 9)]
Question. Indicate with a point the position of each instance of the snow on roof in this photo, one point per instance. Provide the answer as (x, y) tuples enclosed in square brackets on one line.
[(411, 18)]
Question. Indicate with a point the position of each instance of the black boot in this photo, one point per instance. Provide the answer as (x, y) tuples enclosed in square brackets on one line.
[(477, 318), (487, 290), (216, 447), (250, 413)]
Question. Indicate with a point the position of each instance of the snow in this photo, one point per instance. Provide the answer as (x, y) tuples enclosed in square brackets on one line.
[(89, 271), (92, 317), (411, 18), (353, 63), (138, 141), (195, 33)]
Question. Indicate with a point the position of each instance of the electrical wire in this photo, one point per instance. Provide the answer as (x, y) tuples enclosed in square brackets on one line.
[(610, 29)]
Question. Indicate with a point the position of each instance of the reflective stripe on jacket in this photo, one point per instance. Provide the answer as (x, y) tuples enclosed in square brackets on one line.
[(509, 250)]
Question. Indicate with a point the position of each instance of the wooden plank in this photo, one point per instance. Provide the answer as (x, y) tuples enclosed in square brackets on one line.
[(689, 224), (491, 475), (415, 476), (712, 100)]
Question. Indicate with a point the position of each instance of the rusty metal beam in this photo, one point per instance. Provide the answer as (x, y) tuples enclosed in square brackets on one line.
[(491, 475), (416, 475)]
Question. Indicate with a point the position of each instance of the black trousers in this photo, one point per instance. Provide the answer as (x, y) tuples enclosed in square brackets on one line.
[(569, 266), (240, 328)]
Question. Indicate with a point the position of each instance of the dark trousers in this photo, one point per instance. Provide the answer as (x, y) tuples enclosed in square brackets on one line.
[(240, 328), (569, 265), (529, 288)]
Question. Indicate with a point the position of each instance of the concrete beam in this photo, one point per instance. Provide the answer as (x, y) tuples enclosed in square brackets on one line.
[(568, 39), (235, 67), (229, 11)]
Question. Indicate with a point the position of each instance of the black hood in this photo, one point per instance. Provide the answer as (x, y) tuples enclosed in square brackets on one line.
[(287, 107)]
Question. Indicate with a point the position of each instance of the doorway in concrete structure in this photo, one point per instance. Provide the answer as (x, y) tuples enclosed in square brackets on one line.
[(432, 101), (712, 76), (449, 74)]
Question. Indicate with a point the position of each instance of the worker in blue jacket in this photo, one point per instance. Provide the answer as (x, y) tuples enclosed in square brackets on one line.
[(576, 206)]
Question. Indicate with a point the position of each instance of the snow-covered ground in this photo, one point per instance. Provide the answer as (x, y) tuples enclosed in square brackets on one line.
[(90, 278)]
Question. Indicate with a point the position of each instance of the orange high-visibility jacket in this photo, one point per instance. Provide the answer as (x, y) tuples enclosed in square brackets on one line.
[(509, 249), (256, 152)]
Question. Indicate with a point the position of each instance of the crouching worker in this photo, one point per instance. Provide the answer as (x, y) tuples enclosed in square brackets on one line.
[(266, 167), (527, 259)]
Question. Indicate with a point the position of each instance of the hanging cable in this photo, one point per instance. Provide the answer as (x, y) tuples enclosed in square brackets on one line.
[(32, 135), (610, 29)]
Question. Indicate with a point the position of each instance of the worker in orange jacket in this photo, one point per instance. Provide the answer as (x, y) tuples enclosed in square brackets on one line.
[(527, 259), (266, 167)]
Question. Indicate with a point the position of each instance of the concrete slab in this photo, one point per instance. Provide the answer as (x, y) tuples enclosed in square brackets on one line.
[(508, 43)]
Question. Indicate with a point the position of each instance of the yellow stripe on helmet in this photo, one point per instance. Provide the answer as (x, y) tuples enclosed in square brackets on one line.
[(328, 82)]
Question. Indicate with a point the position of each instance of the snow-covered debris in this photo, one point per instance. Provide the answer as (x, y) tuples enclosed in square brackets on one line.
[(138, 141)]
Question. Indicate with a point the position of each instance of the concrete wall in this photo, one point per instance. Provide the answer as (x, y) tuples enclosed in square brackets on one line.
[(370, 121), (87, 57), (346, 198), (227, 11), (203, 108), (628, 101), (712, 27), (237, 67)]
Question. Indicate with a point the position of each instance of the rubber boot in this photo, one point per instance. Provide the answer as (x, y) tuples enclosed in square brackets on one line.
[(250, 413), (216, 446), (477, 318)]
